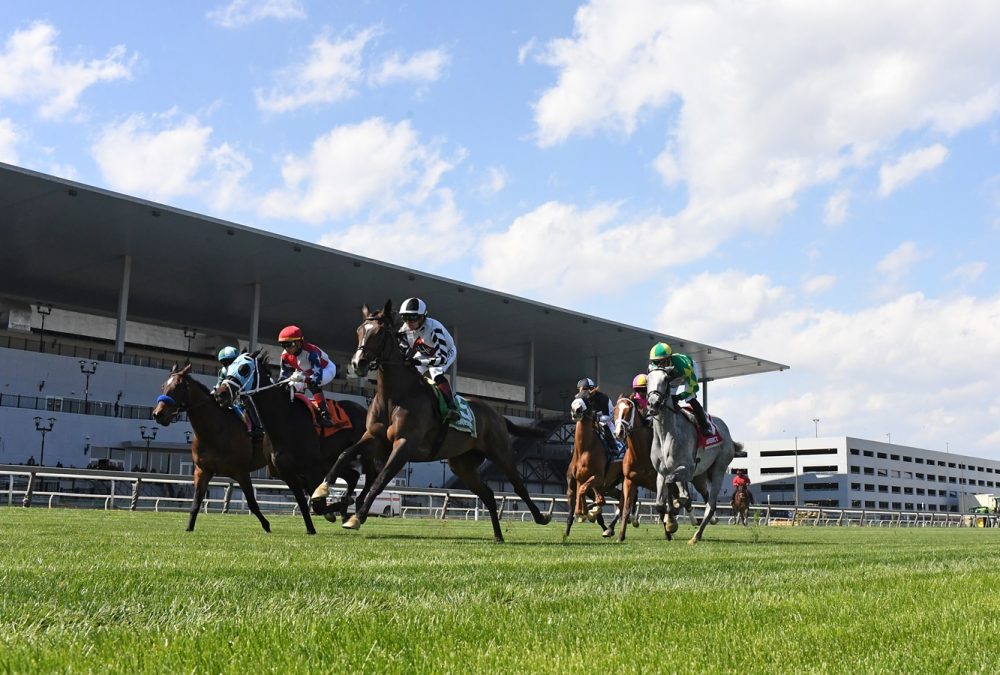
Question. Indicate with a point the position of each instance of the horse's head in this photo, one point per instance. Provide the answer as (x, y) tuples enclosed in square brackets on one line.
[(658, 391), (624, 417), (174, 396), (246, 373), (581, 406), (376, 337)]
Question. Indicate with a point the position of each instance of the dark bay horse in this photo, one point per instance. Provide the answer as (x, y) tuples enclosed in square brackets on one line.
[(404, 425), (637, 467), (741, 504), (300, 457), (589, 471), (221, 445)]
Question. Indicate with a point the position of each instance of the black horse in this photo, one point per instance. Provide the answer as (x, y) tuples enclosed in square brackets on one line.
[(404, 426), (300, 456)]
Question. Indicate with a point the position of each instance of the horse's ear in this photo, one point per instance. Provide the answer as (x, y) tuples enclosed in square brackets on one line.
[(365, 312), (387, 310), (173, 369), (185, 370)]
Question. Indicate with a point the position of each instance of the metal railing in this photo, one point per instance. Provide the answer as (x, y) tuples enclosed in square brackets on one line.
[(124, 490)]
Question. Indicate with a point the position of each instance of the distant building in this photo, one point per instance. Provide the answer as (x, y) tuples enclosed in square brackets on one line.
[(848, 472)]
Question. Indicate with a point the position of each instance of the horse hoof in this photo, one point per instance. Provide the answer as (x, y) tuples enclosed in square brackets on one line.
[(353, 523), (635, 523), (692, 541), (321, 492), (672, 527), (331, 517), (608, 533), (580, 519), (544, 520)]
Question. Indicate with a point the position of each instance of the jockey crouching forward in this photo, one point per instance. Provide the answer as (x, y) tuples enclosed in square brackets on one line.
[(313, 365), (249, 414), (430, 347), (603, 410), (683, 374)]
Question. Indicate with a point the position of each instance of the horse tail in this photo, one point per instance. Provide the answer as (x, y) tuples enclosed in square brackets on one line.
[(539, 431)]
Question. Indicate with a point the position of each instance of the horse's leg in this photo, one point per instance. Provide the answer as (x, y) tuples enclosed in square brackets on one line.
[(570, 503), (466, 467), (714, 485), (201, 480), (581, 498), (664, 506), (609, 531), (367, 443), (351, 477), (247, 486), (397, 459), (629, 493), (294, 484)]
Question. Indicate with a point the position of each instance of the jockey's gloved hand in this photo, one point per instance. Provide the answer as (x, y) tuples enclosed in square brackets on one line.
[(297, 376)]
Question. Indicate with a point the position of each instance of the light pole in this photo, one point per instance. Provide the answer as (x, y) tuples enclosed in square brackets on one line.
[(888, 437), (43, 311), (187, 435), (43, 429), (444, 463), (148, 434), (816, 424), (796, 470), (189, 333), (87, 370)]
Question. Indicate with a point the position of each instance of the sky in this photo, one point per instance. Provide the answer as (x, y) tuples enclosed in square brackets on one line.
[(816, 184)]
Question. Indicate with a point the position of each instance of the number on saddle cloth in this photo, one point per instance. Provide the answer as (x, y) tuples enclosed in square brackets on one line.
[(466, 422)]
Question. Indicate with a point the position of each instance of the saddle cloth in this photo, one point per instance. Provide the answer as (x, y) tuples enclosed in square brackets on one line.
[(340, 419), (466, 422), (704, 441)]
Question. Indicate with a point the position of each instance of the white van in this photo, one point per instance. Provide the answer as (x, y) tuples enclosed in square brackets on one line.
[(387, 504)]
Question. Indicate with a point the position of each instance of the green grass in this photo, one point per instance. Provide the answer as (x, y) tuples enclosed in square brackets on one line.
[(94, 591)]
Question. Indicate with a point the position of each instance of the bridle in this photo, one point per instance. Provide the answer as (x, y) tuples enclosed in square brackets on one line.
[(626, 424), (375, 361), (178, 406)]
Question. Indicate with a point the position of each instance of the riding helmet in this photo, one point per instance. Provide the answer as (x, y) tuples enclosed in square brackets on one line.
[(586, 383), (289, 333), (228, 353), (660, 351), (413, 307), (639, 381)]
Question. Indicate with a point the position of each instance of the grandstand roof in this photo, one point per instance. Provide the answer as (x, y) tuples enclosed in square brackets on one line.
[(64, 243)]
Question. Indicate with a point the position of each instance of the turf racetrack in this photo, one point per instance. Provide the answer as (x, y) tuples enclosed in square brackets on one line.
[(132, 592)]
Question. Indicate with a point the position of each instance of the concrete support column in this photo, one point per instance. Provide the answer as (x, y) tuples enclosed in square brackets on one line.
[(529, 398), (255, 316), (453, 371), (123, 306), (704, 394)]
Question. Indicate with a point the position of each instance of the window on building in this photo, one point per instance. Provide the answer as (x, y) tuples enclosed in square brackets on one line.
[(855, 503), (919, 476), (778, 469), (893, 473), (855, 486), (951, 479), (855, 469), (821, 486), (920, 491), (855, 451), (907, 459), (869, 471), (931, 492), (919, 460), (895, 489), (869, 453), (883, 488), (908, 475), (869, 504), (897, 505), (776, 487), (942, 479), (941, 462), (882, 472), (908, 506), (881, 455), (869, 487), (931, 477), (883, 505), (907, 491), (825, 468), (894, 457), (951, 465)]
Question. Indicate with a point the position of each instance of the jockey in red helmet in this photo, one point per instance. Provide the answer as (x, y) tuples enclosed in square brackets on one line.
[(315, 367)]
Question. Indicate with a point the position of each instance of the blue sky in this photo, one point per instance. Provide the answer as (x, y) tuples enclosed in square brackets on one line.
[(819, 186)]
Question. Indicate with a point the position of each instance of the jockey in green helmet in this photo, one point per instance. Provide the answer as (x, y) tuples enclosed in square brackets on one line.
[(683, 374)]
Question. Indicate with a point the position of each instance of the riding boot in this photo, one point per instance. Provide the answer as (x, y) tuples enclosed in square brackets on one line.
[(449, 397), (699, 414), (324, 414), (256, 428)]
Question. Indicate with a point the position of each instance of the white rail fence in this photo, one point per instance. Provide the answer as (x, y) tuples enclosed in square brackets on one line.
[(53, 488)]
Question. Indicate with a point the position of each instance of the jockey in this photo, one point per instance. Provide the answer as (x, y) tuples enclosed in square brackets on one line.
[(639, 393), (604, 411), (249, 414), (740, 480), (682, 372), (304, 362), (430, 347)]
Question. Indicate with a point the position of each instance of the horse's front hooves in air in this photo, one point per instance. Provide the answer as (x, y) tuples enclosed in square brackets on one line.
[(352, 523), (321, 492)]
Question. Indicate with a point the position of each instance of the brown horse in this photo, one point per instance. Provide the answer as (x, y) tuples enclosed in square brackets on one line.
[(590, 472), (404, 424), (741, 503), (637, 468), (221, 445)]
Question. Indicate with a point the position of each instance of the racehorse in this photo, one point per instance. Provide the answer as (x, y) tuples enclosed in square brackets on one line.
[(741, 503), (404, 423), (637, 468), (678, 459), (299, 455), (589, 470), (221, 445)]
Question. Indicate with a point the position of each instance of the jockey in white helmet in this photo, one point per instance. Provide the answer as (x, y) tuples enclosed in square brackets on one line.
[(429, 345)]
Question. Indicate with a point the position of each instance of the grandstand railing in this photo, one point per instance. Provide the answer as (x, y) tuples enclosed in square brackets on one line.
[(22, 486)]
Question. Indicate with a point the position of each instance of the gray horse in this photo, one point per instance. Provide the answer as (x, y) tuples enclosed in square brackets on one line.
[(676, 460)]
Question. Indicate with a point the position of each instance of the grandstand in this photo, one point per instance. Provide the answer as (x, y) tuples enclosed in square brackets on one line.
[(91, 280)]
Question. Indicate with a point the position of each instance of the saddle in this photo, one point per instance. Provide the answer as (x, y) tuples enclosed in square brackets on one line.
[(337, 414), (704, 441), (466, 422)]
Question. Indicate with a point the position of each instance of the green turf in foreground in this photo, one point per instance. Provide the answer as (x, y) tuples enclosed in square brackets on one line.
[(133, 592)]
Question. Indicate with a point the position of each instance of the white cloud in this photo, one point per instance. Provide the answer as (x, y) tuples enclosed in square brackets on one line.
[(242, 12), (835, 211), (495, 181), (819, 284), (711, 306), (863, 373), (169, 156), (432, 232), (908, 167), (525, 50), (771, 99), (968, 272), (331, 73), (31, 70), (897, 263), (372, 164), (9, 138), (425, 66)]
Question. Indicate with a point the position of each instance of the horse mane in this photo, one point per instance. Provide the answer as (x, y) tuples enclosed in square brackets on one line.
[(204, 388)]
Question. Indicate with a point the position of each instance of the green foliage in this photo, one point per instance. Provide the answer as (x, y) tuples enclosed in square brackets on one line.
[(132, 592)]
